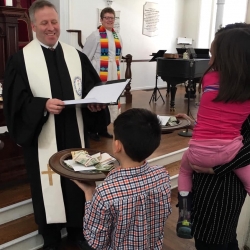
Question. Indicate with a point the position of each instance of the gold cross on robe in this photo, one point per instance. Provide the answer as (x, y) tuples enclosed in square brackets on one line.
[(49, 173)]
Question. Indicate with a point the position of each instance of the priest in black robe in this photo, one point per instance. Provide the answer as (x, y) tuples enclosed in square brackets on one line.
[(27, 115)]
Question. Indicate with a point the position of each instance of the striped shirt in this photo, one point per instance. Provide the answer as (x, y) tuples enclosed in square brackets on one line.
[(129, 209), (218, 198)]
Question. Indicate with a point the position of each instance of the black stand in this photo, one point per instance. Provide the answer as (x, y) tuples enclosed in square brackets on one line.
[(154, 97), (187, 133), (156, 89)]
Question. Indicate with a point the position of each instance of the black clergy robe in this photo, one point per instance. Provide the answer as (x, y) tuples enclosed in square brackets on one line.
[(25, 116)]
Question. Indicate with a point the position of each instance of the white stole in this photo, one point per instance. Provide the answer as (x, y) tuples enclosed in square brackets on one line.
[(40, 86)]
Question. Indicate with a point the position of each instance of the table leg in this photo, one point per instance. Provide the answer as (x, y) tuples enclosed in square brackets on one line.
[(172, 97), (168, 89)]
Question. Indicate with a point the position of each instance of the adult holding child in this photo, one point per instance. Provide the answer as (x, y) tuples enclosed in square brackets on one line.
[(103, 47), (219, 197)]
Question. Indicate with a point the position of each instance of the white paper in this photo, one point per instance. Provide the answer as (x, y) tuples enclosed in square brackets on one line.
[(106, 158), (163, 119), (106, 94), (77, 166)]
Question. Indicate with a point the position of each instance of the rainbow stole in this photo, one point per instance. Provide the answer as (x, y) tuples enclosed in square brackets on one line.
[(104, 60)]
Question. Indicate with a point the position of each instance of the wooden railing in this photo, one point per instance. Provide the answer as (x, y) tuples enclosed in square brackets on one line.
[(128, 75), (79, 36)]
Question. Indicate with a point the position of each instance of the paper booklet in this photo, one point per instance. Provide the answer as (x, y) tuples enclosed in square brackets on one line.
[(107, 93)]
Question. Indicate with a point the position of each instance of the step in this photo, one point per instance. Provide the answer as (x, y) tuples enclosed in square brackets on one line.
[(21, 234), (30, 241), (17, 228), (15, 202), (172, 163)]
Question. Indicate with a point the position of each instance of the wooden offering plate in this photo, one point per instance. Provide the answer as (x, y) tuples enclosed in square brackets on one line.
[(57, 164), (183, 123)]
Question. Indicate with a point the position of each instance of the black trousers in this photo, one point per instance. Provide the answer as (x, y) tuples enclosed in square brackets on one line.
[(96, 121), (52, 234), (200, 245)]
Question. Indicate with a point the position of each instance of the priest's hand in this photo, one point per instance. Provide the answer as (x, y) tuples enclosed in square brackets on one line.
[(96, 107), (87, 187), (54, 106), (201, 170)]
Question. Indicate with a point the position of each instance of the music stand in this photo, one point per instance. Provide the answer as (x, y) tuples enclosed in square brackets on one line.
[(154, 97)]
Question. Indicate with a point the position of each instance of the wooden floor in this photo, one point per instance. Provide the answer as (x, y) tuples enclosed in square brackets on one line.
[(169, 143)]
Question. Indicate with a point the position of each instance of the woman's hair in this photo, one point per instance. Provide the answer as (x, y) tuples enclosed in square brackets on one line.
[(107, 10), (233, 26), (231, 58), (37, 5)]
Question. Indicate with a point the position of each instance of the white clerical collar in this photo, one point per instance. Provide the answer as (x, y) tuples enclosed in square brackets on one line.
[(46, 46)]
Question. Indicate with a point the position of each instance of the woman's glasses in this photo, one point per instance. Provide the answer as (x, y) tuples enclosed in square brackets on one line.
[(109, 18)]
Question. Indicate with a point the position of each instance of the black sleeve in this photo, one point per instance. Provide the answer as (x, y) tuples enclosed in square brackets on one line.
[(24, 113), (242, 159), (93, 121)]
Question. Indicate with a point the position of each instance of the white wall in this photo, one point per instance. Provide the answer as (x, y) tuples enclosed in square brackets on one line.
[(248, 13), (191, 17), (206, 23)]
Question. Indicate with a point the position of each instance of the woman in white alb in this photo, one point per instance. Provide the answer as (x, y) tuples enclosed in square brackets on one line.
[(103, 48)]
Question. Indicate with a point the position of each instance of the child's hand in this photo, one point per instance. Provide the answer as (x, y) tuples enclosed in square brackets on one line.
[(87, 187), (182, 115), (201, 170)]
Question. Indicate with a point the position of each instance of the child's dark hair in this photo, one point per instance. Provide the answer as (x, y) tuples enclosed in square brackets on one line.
[(139, 131), (231, 52)]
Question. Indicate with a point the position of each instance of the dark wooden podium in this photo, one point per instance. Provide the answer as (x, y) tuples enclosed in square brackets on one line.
[(15, 32), (12, 167)]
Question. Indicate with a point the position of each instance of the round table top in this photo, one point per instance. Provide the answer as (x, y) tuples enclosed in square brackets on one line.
[(183, 123), (57, 164)]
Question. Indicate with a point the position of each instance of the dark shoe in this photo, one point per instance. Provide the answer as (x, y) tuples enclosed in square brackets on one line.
[(82, 244), (94, 136), (106, 134), (184, 225)]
